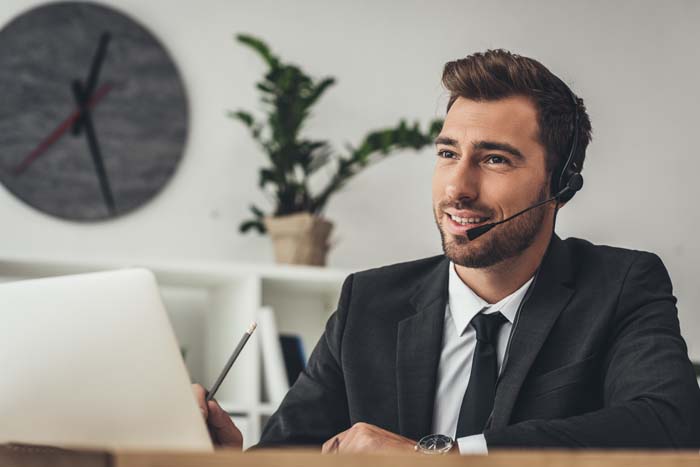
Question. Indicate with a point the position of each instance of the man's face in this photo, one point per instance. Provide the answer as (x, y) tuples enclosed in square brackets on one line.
[(490, 165)]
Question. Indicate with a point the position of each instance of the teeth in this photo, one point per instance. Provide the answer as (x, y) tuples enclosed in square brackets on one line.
[(468, 220)]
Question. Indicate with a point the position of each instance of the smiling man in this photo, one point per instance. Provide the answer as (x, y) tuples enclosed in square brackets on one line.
[(513, 337)]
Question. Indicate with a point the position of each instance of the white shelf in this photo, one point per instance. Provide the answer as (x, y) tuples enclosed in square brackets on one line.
[(211, 304), (186, 273), (263, 408)]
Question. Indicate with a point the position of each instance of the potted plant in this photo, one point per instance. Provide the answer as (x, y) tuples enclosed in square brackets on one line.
[(296, 224)]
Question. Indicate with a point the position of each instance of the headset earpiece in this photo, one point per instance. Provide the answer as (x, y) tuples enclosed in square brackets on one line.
[(568, 181)]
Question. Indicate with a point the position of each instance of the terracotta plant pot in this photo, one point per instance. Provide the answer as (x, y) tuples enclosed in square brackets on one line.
[(299, 238)]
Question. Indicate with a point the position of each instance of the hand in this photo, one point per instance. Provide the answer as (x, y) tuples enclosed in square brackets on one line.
[(363, 437), (95, 66), (221, 429)]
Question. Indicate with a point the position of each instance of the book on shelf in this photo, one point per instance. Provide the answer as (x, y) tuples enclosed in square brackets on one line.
[(282, 355), (274, 370), (293, 354)]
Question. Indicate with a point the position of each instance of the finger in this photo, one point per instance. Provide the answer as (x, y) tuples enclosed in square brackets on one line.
[(333, 444), (329, 446), (349, 441), (219, 419), (356, 438), (200, 395), (220, 423)]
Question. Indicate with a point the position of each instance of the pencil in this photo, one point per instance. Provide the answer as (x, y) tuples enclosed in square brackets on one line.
[(231, 360)]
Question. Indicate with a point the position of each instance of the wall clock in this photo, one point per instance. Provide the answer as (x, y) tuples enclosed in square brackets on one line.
[(93, 113)]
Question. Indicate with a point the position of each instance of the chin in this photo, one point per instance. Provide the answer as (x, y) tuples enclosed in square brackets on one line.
[(485, 251), (469, 258), (464, 252)]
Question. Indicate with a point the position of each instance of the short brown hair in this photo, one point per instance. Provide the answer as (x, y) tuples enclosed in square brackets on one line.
[(497, 74)]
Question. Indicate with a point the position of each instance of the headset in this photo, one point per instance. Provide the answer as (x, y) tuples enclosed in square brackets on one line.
[(569, 179)]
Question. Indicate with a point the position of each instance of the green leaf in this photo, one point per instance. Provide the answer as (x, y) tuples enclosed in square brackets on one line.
[(260, 47), (244, 117), (318, 90), (268, 176), (257, 211), (264, 87), (256, 224)]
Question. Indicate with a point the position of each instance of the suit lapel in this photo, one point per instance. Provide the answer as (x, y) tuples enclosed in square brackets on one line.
[(551, 292), (418, 347)]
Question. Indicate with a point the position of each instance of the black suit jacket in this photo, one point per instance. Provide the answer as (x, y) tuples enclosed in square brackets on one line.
[(596, 358)]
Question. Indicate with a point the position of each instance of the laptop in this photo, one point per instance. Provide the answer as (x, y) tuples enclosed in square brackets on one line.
[(91, 361)]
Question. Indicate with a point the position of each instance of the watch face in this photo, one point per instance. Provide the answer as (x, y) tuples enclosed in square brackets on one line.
[(93, 114), (435, 444)]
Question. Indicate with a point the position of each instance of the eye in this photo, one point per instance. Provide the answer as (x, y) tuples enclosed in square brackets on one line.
[(495, 159), (446, 154)]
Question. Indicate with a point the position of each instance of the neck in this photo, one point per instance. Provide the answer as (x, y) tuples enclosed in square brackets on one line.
[(500, 280)]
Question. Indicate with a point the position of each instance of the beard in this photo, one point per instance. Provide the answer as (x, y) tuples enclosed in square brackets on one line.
[(505, 241)]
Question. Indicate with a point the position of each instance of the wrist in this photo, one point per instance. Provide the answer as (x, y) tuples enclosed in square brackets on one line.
[(435, 444)]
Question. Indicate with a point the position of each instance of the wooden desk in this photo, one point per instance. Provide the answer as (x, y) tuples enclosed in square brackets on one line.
[(497, 459), (30, 456)]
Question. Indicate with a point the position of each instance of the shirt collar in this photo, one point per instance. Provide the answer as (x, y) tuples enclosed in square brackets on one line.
[(464, 304)]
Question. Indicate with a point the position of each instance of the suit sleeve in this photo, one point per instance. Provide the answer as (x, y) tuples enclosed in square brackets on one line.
[(651, 396), (315, 408)]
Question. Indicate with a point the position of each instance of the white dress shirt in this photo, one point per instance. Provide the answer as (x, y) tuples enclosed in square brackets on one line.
[(458, 345)]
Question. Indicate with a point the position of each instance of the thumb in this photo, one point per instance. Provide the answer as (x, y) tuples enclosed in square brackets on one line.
[(221, 424), (217, 418)]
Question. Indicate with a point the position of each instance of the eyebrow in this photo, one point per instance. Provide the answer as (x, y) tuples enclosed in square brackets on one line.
[(496, 146), (446, 140), (483, 145)]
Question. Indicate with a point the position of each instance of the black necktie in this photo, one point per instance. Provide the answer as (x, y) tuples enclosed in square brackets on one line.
[(478, 398)]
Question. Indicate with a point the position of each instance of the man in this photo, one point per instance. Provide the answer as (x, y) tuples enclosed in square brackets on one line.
[(514, 338)]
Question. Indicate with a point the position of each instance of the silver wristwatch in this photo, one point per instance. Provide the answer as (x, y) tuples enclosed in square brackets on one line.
[(434, 444)]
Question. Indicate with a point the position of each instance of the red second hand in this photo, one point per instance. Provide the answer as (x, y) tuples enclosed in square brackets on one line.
[(62, 128)]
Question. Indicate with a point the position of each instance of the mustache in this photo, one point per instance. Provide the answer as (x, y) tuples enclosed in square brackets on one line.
[(459, 205)]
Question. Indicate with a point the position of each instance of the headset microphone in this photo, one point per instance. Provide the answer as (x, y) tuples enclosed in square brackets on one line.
[(575, 184)]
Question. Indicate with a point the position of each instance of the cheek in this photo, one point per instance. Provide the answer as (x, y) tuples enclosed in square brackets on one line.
[(501, 189), (512, 193), (504, 195)]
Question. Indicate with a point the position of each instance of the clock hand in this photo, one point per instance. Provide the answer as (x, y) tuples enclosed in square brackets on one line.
[(81, 97), (59, 131), (95, 67)]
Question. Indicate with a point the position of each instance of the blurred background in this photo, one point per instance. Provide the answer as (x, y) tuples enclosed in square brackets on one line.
[(635, 63)]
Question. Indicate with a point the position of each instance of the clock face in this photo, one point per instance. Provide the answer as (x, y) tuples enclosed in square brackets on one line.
[(93, 114)]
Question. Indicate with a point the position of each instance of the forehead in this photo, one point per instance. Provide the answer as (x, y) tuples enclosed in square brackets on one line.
[(512, 119)]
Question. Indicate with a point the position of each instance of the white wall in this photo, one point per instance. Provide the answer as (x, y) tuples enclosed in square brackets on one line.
[(635, 62)]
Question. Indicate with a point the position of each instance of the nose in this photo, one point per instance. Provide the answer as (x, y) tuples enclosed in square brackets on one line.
[(463, 182)]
